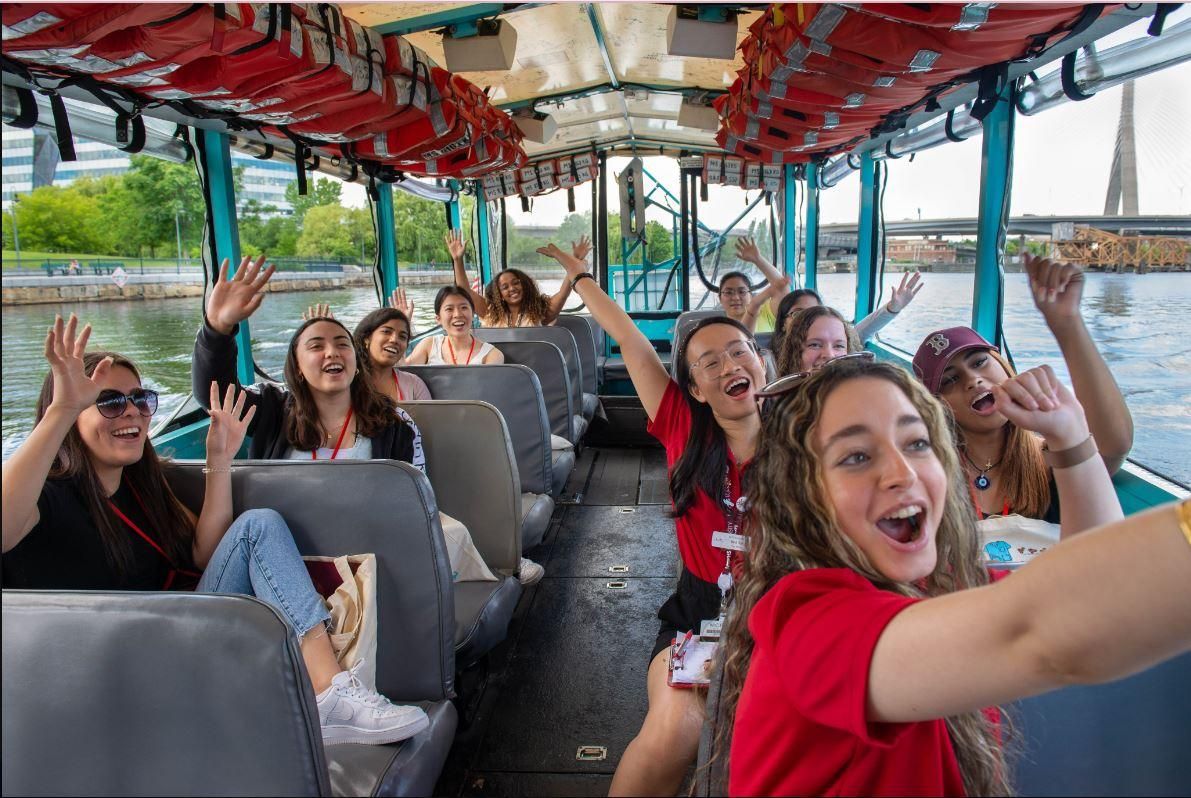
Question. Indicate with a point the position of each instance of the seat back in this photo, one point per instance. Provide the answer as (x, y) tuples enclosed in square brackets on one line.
[(155, 694), (581, 329), (547, 362), (469, 458), (356, 507), (559, 336), (516, 392)]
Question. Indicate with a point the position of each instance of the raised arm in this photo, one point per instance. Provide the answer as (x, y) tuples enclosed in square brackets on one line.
[(399, 301), (779, 285), (25, 472), (868, 327), (580, 250), (1058, 289), (225, 434), (649, 376), (456, 246), (231, 301), (1095, 608)]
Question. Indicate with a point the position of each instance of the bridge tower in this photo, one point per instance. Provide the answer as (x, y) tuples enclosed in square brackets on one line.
[(1122, 176)]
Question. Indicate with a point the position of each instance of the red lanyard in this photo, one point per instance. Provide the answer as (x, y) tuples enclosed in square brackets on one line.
[(174, 571), (980, 512), (469, 351), (342, 432), (397, 385)]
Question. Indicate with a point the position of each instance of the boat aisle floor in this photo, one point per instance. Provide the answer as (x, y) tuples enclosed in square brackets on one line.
[(572, 671)]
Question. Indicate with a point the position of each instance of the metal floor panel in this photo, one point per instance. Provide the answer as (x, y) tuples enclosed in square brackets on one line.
[(580, 785), (615, 477), (592, 539)]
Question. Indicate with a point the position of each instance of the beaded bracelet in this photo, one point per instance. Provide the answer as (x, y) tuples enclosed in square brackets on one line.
[(209, 470)]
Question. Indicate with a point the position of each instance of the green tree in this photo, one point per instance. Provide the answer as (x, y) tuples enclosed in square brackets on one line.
[(327, 230), (155, 197), (321, 191), (419, 227), (58, 219), (659, 242)]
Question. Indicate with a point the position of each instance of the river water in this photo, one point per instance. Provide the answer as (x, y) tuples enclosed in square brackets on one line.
[(1142, 324)]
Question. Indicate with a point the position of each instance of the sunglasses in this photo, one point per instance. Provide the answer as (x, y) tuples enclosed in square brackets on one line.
[(112, 404), (789, 383)]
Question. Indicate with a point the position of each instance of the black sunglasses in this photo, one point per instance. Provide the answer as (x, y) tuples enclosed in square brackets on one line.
[(112, 403), (790, 382)]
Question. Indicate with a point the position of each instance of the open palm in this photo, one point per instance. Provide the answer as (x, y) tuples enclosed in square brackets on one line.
[(73, 389), (234, 299), (229, 424)]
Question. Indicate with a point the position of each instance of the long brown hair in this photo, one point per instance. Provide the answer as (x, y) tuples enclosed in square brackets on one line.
[(370, 324), (789, 348), (169, 523), (373, 411), (534, 305), (793, 527)]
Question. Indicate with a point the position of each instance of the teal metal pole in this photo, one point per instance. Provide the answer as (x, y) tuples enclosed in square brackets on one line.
[(996, 172), (866, 251), (485, 243), (810, 230), (386, 240), (217, 155), (453, 212), (789, 223)]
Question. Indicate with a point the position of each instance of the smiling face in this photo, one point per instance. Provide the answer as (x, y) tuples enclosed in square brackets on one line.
[(116, 441), (729, 388), (826, 340), (883, 479), (965, 386), (455, 315), (326, 357), (735, 296), (511, 290), (387, 344)]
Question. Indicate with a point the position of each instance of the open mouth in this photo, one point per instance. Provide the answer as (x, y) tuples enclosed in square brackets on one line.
[(459, 325), (984, 403), (737, 387), (904, 525), (127, 433), (333, 369), (392, 350)]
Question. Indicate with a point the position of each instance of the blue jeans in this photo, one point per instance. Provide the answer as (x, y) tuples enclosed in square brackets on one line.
[(257, 557)]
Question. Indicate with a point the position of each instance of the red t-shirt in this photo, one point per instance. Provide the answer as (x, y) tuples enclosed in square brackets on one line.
[(672, 426), (800, 726)]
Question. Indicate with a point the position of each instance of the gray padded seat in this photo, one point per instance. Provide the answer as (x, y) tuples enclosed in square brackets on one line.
[(548, 363), (387, 508), (564, 339), (581, 328), (515, 391), (469, 459)]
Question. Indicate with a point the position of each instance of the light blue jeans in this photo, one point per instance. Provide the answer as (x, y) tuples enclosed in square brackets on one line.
[(257, 557)]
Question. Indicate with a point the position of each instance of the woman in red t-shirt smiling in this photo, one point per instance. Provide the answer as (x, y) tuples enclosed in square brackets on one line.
[(866, 639), (708, 422)]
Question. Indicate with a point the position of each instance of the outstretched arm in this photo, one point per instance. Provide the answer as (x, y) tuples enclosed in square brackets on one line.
[(456, 246), (649, 376), (868, 327), (1057, 289), (580, 250), (779, 285)]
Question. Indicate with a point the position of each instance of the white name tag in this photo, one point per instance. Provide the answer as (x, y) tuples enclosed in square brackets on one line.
[(729, 542), (710, 630)]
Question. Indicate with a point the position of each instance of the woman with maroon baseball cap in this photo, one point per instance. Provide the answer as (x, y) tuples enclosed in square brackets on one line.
[(1008, 469)]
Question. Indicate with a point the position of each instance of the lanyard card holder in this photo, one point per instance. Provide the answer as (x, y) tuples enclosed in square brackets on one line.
[(691, 660)]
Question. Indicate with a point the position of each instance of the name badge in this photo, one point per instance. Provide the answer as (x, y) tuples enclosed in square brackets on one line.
[(710, 630), (729, 542)]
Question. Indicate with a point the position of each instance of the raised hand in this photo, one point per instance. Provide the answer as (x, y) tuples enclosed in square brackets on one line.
[(233, 300), (229, 424), (1035, 400), (399, 301), (1057, 287), (320, 311), (74, 391), (456, 246), (747, 250), (581, 248), (569, 262), (905, 292)]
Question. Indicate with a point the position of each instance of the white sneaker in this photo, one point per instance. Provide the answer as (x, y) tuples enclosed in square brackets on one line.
[(530, 573), (351, 713)]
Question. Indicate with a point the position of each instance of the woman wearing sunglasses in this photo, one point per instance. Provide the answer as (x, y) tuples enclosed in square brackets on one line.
[(868, 646), (706, 417), (87, 507)]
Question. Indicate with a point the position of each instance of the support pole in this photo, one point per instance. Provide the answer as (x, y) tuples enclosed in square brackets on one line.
[(810, 230), (789, 223), (602, 215), (386, 240), (866, 239), (484, 241), (996, 172)]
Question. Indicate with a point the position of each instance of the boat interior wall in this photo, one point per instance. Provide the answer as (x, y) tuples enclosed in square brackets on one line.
[(565, 341), (122, 698)]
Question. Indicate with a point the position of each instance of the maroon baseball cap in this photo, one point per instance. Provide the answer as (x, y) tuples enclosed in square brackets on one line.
[(939, 347)]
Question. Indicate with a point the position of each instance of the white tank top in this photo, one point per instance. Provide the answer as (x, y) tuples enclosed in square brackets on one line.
[(438, 343)]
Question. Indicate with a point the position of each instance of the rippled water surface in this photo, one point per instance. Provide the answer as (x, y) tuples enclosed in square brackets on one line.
[(1142, 325)]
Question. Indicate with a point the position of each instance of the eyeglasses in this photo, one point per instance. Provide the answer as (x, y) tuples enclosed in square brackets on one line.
[(741, 353), (789, 383), (735, 292), (112, 403)]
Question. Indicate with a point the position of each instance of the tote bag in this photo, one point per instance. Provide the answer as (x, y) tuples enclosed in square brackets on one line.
[(348, 587)]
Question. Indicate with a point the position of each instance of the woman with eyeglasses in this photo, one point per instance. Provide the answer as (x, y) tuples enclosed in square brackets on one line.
[(87, 507), (868, 647), (707, 419), (736, 294)]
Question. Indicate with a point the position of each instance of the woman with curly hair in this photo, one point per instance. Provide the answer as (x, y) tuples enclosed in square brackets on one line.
[(868, 647), (813, 337), (512, 298)]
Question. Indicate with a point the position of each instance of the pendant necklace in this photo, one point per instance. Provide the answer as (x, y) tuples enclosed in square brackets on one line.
[(982, 481)]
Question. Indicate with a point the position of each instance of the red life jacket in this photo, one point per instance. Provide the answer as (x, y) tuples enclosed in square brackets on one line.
[(66, 26)]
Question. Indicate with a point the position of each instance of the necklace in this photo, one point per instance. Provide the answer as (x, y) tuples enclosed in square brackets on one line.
[(338, 443), (469, 351), (981, 481)]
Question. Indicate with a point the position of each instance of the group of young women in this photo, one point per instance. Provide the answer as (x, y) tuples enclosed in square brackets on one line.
[(831, 521)]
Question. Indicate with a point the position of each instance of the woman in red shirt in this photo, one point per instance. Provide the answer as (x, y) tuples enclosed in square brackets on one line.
[(706, 417), (866, 639)]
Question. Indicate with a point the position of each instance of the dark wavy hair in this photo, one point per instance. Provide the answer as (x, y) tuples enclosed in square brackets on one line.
[(534, 304), (373, 410), (784, 309), (705, 456), (789, 353), (168, 520), (370, 324)]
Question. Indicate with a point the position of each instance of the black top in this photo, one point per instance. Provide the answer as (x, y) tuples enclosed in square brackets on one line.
[(64, 551), (215, 359)]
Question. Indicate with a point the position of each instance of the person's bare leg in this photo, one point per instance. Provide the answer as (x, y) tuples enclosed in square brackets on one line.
[(658, 757), (319, 657)]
